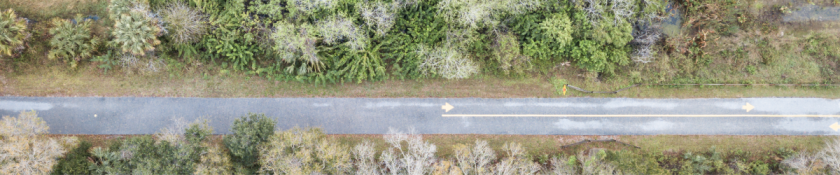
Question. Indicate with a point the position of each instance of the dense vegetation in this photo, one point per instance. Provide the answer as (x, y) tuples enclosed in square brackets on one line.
[(355, 40), (256, 147)]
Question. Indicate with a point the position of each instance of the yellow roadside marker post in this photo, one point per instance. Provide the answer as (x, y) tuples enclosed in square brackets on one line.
[(564, 89)]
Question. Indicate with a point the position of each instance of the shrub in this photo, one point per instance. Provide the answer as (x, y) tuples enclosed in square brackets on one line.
[(135, 32), (144, 155), (516, 162), (338, 28), (476, 160), (72, 41), (117, 7), (414, 27), (185, 25), (303, 9), (506, 52), (594, 162), (215, 161), (802, 163), (357, 65), (299, 151), (558, 27), (564, 165), (831, 154), (363, 157), (297, 44), (24, 149), (379, 16), (415, 159), (74, 162), (447, 62), (13, 30), (248, 133)]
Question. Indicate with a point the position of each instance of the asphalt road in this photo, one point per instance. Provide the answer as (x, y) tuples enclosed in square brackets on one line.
[(560, 116)]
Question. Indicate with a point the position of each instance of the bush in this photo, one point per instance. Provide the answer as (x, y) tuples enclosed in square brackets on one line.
[(447, 62), (416, 158), (594, 162), (144, 155), (135, 32), (363, 158), (506, 52), (379, 16), (476, 160), (25, 149), (72, 40), (299, 151), (516, 162), (74, 162), (831, 154), (14, 33), (413, 28), (564, 165), (215, 161), (185, 25), (297, 44), (248, 133)]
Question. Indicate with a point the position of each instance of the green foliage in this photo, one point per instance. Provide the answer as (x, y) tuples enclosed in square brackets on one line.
[(534, 31), (506, 53), (629, 162), (135, 32), (248, 133), (711, 162), (295, 46), (602, 47), (12, 33), (310, 150), (414, 27), (558, 27), (271, 9), (75, 161), (823, 46), (106, 61), (357, 66), (216, 160), (144, 155), (118, 7), (235, 37), (140, 155), (73, 42)]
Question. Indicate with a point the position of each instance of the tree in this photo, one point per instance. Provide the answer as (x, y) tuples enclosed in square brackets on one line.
[(248, 133), (72, 40), (516, 162), (476, 160), (173, 152), (414, 159), (12, 33), (24, 149), (299, 151)]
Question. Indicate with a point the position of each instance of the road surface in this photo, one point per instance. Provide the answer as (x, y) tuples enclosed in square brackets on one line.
[(554, 116)]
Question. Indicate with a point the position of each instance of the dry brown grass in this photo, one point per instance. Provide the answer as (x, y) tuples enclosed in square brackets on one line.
[(43, 10), (551, 144), (57, 81)]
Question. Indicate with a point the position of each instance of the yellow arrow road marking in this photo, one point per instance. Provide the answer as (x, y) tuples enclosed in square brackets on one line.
[(447, 107), (629, 115), (835, 126), (748, 107)]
